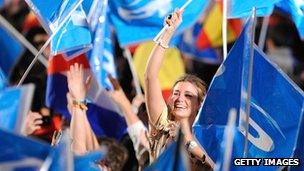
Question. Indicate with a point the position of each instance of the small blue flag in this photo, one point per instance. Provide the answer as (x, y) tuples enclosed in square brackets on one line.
[(15, 102), (74, 35), (101, 56)]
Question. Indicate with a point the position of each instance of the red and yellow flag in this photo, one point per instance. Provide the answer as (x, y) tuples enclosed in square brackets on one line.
[(171, 69), (211, 33)]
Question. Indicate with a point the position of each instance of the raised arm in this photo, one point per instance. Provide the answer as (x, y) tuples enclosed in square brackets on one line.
[(83, 138), (123, 102), (154, 99)]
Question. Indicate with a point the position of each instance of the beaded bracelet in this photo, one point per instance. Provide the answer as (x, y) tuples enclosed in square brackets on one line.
[(81, 104)]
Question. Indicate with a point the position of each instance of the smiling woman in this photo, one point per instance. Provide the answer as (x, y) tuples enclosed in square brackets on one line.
[(183, 104)]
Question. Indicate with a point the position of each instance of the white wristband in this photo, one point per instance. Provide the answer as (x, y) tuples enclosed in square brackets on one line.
[(160, 43)]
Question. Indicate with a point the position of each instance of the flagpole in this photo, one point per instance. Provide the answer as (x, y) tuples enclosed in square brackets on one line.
[(177, 150), (229, 132), (263, 32), (224, 29), (128, 56), (21, 39), (156, 38), (47, 42), (249, 90)]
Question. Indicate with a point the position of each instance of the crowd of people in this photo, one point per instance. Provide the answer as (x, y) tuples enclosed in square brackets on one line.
[(152, 122)]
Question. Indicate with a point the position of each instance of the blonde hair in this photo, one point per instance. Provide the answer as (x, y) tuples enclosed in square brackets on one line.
[(197, 82)]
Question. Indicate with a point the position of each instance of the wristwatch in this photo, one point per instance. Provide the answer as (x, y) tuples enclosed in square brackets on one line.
[(191, 145)]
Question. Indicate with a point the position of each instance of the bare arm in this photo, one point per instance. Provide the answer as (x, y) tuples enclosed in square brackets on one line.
[(83, 138), (123, 102), (154, 99)]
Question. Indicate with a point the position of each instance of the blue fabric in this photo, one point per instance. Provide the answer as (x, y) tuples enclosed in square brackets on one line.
[(188, 45), (14, 103), (275, 107), (239, 9), (101, 56), (299, 150), (17, 150), (87, 162), (138, 21), (168, 158), (74, 35), (295, 9)]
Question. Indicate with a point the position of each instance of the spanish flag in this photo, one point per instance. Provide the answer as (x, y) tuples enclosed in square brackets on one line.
[(171, 69), (211, 33)]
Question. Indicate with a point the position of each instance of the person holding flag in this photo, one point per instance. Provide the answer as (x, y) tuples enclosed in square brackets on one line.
[(183, 104)]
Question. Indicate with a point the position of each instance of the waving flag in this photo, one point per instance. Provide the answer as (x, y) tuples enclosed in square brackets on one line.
[(189, 46), (275, 106), (239, 9), (299, 150), (74, 35), (10, 51), (103, 114), (15, 103), (140, 20), (174, 157), (201, 41), (101, 56), (168, 74), (295, 8), (21, 153)]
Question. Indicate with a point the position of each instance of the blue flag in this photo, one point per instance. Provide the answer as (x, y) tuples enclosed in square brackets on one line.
[(74, 38), (275, 106), (74, 35), (239, 9), (61, 157), (299, 150), (88, 162), (295, 9), (3, 80), (15, 102), (21, 153), (101, 56), (138, 21), (173, 158), (224, 160), (188, 46), (10, 51)]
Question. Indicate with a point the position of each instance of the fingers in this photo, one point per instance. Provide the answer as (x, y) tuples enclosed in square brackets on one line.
[(88, 82), (33, 122), (114, 82), (174, 19)]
